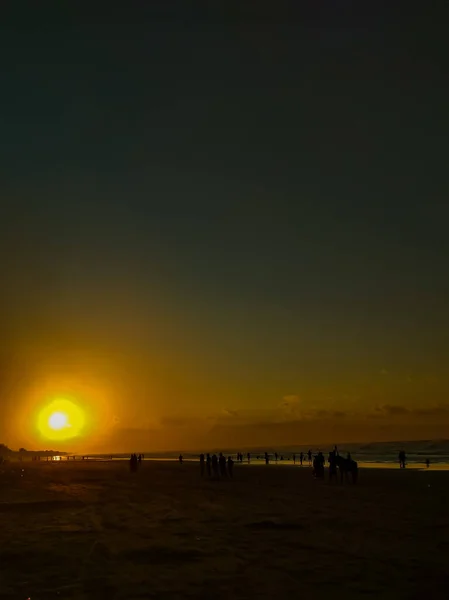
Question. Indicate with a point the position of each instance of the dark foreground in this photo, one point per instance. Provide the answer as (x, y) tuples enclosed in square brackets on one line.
[(97, 531)]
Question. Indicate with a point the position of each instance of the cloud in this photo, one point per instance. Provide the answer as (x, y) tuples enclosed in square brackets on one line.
[(290, 407), (173, 421), (339, 414), (433, 411), (290, 400), (230, 413), (392, 409), (398, 410)]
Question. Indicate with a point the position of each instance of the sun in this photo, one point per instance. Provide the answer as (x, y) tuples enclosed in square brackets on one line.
[(61, 420), (58, 420)]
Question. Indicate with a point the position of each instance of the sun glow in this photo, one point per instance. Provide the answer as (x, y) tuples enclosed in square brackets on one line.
[(61, 420), (58, 420)]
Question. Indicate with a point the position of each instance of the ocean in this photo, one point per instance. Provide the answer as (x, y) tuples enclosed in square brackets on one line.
[(375, 453)]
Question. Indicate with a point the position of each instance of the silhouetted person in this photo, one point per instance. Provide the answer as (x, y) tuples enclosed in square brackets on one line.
[(282, 457), (276, 456), (318, 465), (230, 466), (202, 464), (180, 458), (309, 455), (248, 456), (215, 465), (332, 464), (133, 463), (241, 457), (222, 464), (301, 458), (208, 465), (402, 459), (427, 463), (267, 458), (294, 459), (140, 458)]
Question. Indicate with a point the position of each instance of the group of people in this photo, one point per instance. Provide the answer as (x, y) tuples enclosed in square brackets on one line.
[(302, 457), (220, 466), (346, 465), (135, 461), (217, 466)]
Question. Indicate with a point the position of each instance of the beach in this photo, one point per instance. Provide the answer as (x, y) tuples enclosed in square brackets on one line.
[(95, 530)]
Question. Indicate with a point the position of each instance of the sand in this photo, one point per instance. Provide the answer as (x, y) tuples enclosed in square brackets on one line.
[(74, 530)]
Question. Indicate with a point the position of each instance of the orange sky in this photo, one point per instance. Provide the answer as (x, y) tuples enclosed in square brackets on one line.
[(231, 235), (171, 401)]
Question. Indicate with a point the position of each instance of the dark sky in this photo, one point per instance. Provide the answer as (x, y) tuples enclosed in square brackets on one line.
[(204, 212)]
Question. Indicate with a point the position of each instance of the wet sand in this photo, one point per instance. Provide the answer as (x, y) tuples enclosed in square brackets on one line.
[(95, 530)]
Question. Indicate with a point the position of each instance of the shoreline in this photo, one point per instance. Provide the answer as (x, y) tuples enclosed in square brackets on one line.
[(90, 459)]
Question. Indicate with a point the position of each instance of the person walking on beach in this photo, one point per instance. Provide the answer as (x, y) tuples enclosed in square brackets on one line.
[(222, 464), (248, 456), (427, 463), (267, 459), (301, 458), (133, 463), (215, 465), (202, 464), (402, 459), (309, 456), (318, 466), (208, 464), (230, 466), (294, 459), (276, 456), (333, 464), (180, 458)]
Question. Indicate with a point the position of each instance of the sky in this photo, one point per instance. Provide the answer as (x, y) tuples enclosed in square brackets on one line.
[(225, 227)]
